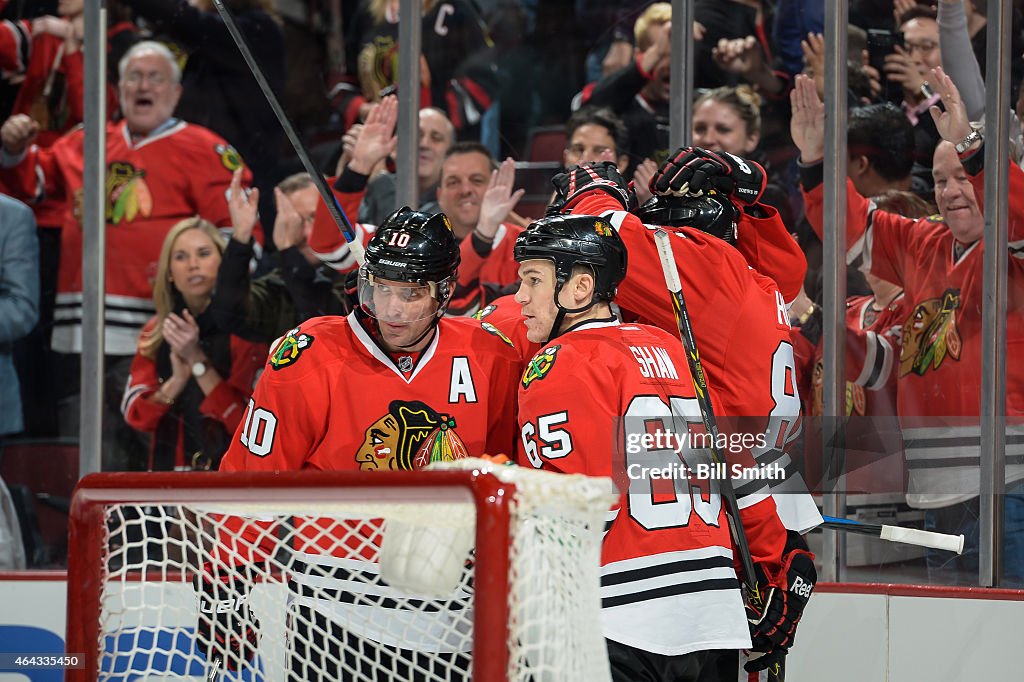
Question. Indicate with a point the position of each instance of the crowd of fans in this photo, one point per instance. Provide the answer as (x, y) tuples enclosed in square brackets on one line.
[(192, 146)]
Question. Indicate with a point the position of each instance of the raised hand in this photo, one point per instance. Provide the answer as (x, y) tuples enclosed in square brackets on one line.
[(952, 124), (377, 139), (901, 67), (17, 133), (695, 171), (289, 227), (645, 170), (814, 57), (498, 199), (243, 207), (807, 124), (579, 181)]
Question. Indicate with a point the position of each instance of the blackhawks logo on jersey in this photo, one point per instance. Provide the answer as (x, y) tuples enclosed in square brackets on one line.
[(484, 312), (290, 348), (930, 334), (491, 329), (540, 366), (410, 436), (229, 158), (602, 228), (128, 195)]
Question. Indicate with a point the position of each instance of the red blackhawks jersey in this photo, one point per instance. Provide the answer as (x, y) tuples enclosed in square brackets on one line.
[(741, 326), (668, 584), (769, 248), (504, 316), (939, 367), (332, 399), (178, 172)]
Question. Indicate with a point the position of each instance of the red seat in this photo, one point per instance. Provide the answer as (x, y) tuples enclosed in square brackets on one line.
[(545, 143)]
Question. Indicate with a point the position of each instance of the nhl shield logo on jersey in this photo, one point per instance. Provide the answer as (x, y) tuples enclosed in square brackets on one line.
[(290, 348), (540, 366), (930, 334), (128, 195), (411, 435), (229, 158), (491, 329)]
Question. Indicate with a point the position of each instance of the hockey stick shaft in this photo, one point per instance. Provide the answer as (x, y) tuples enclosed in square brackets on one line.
[(214, 669), (289, 130), (910, 536), (700, 388)]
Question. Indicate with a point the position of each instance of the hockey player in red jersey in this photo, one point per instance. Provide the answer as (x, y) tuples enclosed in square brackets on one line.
[(740, 319), (394, 347), (394, 385), (667, 549)]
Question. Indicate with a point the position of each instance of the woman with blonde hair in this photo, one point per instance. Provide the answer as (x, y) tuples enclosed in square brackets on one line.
[(728, 119), (190, 380)]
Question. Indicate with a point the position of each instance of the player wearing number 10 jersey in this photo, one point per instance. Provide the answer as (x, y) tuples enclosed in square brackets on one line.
[(392, 386), (670, 594)]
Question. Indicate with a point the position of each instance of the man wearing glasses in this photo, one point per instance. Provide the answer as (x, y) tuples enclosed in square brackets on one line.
[(159, 170)]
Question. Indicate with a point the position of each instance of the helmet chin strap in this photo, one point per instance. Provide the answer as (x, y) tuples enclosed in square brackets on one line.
[(556, 326)]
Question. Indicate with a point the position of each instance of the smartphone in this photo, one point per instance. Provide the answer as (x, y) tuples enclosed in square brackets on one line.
[(883, 41)]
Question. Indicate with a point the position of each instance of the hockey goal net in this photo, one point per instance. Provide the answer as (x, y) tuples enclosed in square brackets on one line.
[(472, 572)]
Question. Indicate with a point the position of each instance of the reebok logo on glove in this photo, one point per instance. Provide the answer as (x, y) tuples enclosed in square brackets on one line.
[(801, 587), (740, 163)]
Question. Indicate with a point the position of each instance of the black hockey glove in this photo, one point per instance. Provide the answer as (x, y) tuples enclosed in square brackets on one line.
[(696, 171), (578, 181), (227, 628), (774, 612)]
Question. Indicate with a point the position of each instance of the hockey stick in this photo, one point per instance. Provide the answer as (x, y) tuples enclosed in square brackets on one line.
[(910, 536), (354, 245), (214, 669), (700, 388)]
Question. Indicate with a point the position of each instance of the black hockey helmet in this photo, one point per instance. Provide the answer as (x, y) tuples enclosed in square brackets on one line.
[(411, 246), (414, 247), (711, 213), (570, 240)]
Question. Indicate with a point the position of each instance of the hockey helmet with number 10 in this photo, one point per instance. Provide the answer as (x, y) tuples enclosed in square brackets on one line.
[(414, 248)]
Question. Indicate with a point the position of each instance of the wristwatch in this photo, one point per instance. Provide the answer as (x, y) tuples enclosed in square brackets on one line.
[(198, 369), (963, 145)]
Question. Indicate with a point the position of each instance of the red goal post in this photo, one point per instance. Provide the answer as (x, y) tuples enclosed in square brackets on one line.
[(535, 549)]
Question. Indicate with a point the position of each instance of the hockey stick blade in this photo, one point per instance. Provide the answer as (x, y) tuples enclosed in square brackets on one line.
[(354, 245), (909, 536), (700, 388)]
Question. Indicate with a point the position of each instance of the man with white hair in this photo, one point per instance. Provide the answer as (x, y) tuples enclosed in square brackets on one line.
[(159, 170)]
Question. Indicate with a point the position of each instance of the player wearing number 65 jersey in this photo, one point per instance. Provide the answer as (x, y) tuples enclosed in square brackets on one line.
[(608, 399)]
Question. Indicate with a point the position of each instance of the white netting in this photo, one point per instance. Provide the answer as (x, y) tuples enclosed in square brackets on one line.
[(318, 602)]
